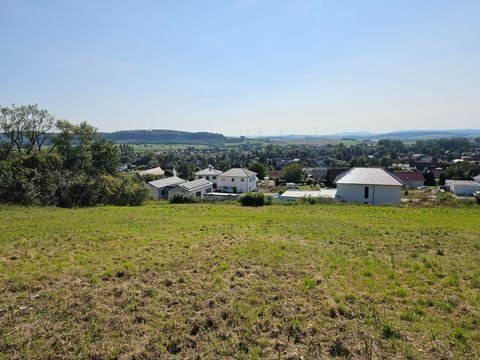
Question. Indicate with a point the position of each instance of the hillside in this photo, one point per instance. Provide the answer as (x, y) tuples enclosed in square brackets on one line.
[(405, 135), (164, 137), (222, 281)]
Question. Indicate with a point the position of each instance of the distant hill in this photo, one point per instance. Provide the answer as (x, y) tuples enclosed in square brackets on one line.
[(411, 135), (404, 135), (426, 134), (164, 137)]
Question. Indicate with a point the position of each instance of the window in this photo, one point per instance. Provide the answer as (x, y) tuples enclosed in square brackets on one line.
[(206, 177), (233, 179), (214, 178), (366, 192), (243, 180)]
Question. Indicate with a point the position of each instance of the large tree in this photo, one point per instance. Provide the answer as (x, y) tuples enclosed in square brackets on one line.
[(293, 172), (78, 168), (259, 168), (24, 128)]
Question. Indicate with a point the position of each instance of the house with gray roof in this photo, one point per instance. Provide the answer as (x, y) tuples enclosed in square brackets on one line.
[(237, 180), (209, 174), (368, 186), (196, 188), (161, 187)]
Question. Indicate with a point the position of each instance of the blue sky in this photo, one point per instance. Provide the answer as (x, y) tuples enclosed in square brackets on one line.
[(246, 66)]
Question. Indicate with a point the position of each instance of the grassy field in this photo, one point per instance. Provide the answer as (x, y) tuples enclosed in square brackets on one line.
[(223, 281)]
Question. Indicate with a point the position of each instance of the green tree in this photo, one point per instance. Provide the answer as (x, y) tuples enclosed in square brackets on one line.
[(24, 128), (293, 172), (78, 169), (259, 168), (429, 178)]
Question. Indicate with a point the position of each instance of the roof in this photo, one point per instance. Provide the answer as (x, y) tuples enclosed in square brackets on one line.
[(195, 184), (208, 171), (477, 178), (166, 182), (367, 176), (300, 194), (239, 172), (409, 176), (461, 182), (155, 171)]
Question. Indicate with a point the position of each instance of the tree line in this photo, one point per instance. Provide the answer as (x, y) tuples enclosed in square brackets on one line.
[(49, 161)]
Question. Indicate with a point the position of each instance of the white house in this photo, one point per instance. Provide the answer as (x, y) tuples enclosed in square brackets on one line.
[(209, 174), (160, 188), (237, 180), (368, 186), (463, 187), (477, 179), (195, 188)]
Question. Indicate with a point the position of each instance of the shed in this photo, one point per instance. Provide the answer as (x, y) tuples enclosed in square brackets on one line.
[(463, 187)]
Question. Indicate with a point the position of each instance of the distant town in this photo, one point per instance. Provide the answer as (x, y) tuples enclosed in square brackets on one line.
[(378, 169)]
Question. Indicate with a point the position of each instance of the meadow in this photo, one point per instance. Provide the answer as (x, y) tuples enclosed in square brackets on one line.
[(216, 281)]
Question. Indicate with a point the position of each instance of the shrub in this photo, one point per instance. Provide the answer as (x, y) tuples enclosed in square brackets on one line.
[(389, 331), (317, 200), (130, 192), (255, 199), (183, 199)]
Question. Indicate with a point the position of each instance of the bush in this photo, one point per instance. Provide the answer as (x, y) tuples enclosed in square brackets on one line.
[(130, 192), (446, 198), (255, 199), (183, 199), (317, 200)]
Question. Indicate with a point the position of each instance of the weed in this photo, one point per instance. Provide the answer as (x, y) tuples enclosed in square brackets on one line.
[(389, 331), (309, 283)]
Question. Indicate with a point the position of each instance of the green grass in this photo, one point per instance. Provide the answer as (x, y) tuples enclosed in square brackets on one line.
[(225, 281)]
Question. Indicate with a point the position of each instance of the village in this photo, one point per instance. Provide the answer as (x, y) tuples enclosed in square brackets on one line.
[(314, 174)]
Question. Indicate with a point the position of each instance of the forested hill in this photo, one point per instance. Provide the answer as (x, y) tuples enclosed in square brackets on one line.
[(164, 137)]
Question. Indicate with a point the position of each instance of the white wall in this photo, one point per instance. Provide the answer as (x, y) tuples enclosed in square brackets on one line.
[(464, 189), (377, 194), (157, 192), (247, 185), (179, 190)]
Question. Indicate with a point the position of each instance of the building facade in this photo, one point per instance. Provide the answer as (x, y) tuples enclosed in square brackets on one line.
[(237, 180), (374, 186)]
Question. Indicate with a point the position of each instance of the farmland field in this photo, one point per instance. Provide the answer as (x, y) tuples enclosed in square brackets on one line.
[(165, 147), (223, 281)]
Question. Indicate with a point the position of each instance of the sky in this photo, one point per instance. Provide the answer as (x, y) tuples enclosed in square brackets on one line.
[(245, 67)]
